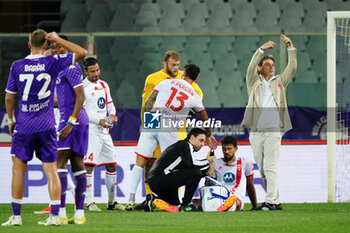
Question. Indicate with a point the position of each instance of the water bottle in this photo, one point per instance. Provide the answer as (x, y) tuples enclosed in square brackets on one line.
[(110, 120)]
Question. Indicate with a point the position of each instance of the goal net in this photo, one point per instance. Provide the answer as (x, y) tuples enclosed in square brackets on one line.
[(338, 105)]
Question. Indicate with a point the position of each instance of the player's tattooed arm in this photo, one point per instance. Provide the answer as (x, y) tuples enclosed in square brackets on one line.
[(150, 101)]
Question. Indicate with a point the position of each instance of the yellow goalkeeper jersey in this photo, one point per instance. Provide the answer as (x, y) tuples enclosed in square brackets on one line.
[(154, 79)]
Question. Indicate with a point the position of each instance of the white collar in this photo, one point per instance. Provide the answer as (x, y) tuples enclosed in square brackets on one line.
[(264, 80), (33, 56), (191, 148)]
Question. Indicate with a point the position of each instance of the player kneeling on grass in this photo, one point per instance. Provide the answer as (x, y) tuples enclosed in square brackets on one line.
[(177, 166), (233, 175)]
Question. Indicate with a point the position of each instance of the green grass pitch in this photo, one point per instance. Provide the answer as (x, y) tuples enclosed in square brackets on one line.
[(323, 217)]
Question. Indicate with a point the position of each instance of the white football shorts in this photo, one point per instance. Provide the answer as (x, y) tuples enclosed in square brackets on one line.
[(101, 150), (148, 142)]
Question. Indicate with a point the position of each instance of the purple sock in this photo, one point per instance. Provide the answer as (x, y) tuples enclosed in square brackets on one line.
[(16, 208), (55, 208), (80, 178), (64, 184)]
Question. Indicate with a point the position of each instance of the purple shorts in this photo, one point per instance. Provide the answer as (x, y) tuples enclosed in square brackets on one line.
[(43, 143), (77, 140)]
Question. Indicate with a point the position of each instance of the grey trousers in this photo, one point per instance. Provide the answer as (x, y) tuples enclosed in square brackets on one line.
[(266, 151)]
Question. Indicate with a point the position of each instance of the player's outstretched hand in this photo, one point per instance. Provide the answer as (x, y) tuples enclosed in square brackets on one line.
[(287, 41), (212, 142), (66, 131), (52, 36), (268, 45)]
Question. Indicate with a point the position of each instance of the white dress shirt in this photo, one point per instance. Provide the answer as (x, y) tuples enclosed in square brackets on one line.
[(269, 116)]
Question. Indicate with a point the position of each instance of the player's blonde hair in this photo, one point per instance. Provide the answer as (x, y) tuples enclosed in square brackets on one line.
[(171, 54), (37, 38)]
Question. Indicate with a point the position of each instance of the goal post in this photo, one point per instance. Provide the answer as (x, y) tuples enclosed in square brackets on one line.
[(338, 55), (331, 102)]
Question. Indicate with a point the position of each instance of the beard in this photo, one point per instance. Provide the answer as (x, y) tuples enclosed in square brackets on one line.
[(171, 73), (94, 79), (227, 159)]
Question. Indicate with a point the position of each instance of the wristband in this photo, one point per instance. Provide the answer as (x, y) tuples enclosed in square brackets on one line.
[(72, 120)]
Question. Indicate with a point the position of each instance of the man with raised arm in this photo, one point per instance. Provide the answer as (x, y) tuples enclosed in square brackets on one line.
[(266, 115)]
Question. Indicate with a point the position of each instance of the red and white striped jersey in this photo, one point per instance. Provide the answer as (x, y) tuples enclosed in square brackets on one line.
[(98, 104), (233, 175)]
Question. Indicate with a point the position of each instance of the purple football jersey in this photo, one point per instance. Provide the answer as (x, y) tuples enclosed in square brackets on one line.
[(67, 80), (34, 79)]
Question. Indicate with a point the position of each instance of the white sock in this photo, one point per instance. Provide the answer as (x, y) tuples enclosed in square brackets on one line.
[(136, 175), (111, 184), (79, 214), (53, 216), (70, 185), (62, 212), (89, 188)]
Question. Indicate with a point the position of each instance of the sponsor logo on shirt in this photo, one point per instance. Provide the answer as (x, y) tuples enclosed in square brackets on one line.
[(35, 107), (101, 103), (228, 177)]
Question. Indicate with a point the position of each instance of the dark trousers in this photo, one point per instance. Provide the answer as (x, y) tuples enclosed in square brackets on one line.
[(166, 186)]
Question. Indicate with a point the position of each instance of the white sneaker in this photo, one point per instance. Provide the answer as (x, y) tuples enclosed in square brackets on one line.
[(92, 207), (13, 221), (115, 206), (130, 206), (50, 221)]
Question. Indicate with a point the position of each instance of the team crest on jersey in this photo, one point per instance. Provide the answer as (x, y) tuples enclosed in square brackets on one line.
[(229, 177), (101, 103)]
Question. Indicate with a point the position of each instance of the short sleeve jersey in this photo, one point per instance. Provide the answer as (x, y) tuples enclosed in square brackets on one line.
[(176, 97), (154, 79), (233, 175), (34, 79), (68, 79)]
